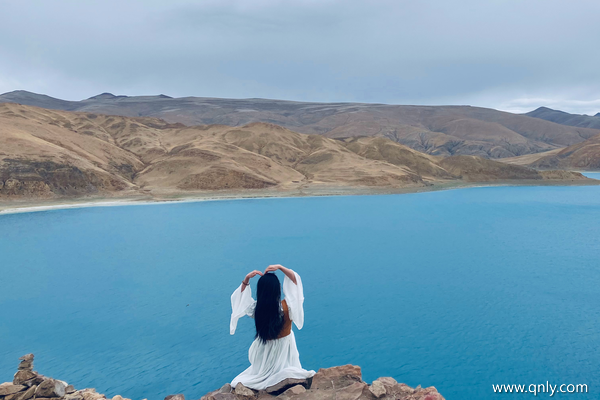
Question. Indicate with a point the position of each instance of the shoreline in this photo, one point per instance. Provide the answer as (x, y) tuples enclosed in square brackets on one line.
[(37, 205)]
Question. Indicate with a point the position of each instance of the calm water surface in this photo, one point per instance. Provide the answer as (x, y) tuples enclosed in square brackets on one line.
[(593, 175), (458, 289)]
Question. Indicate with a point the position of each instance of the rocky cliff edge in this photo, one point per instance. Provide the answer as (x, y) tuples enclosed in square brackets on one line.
[(336, 383)]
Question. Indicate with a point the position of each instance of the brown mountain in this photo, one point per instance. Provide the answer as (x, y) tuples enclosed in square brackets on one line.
[(48, 153), (439, 130), (582, 156)]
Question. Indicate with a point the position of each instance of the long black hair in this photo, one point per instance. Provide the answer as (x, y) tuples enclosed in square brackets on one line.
[(268, 316)]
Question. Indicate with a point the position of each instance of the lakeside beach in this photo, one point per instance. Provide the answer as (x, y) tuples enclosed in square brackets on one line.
[(36, 205)]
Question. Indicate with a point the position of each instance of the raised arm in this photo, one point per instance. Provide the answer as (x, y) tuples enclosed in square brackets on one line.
[(288, 272), (251, 275), (242, 302)]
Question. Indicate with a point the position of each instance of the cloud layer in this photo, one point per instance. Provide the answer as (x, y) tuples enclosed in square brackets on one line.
[(508, 54)]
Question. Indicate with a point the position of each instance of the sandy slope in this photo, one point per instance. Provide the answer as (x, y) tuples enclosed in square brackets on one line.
[(49, 154), (436, 130), (583, 156)]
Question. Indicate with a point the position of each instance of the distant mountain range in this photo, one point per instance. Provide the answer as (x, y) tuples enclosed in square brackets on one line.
[(48, 153), (435, 130), (564, 118)]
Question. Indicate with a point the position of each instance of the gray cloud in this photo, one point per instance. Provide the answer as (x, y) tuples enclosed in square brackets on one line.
[(508, 54)]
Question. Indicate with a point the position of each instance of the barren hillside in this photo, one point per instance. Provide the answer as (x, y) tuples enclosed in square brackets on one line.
[(48, 153), (439, 130), (582, 156)]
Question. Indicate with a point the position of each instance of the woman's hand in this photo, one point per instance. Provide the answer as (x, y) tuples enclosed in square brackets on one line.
[(288, 272), (273, 268), (251, 275)]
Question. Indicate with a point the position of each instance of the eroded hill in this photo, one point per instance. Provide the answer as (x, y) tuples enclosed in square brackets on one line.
[(48, 153), (583, 156), (435, 130)]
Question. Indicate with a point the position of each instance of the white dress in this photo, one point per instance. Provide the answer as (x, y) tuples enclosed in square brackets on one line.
[(277, 359)]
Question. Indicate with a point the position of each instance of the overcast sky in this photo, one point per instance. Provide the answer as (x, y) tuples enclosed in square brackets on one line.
[(512, 55)]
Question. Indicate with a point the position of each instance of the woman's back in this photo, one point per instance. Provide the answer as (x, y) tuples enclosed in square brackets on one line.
[(286, 329)]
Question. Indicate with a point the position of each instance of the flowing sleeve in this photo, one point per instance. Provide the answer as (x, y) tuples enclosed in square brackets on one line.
[(294, 297), (242, 304)]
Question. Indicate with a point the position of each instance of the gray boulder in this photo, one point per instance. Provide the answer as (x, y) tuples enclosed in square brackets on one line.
[(377, 389), (50, 388), (226, 388)]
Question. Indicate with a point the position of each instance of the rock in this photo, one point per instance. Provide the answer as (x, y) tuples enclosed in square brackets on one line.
[(27, 357), (224, 396), (336, 383), (73, 396), (175, 397), (337, 377), (387, 382), (28, 394), (88, 394), (13, 396), (9, 388), (351, 392), (22, 376), (226, 388), (26, 365), (263, 395), (285, 384), (377, 389), (293, 391), (210, 395), (37, 380), (242, 392), (398, 390), (50, 388), (429, 393)]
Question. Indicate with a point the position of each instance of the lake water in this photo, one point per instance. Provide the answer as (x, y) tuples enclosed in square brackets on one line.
[(458, 289), (593, 175)]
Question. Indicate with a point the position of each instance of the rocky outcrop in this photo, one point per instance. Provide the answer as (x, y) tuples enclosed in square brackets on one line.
[(337, 383), (27, 384), (26, 178)]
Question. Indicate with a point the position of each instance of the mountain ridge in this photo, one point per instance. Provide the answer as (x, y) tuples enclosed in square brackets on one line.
[(435, 130), (48, 153), (565, 118)]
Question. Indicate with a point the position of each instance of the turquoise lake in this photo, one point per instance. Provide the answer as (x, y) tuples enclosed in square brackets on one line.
[(458, 289)]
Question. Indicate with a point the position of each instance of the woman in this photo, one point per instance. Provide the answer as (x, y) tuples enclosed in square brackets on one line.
[(273, 354)]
